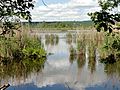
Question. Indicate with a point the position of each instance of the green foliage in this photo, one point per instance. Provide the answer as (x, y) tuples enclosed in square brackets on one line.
[(26, 48), (108, 4), (110, 59), (18, 8), (112, 46), (34, 52), (11, 11), (112, 42), (104, 19)]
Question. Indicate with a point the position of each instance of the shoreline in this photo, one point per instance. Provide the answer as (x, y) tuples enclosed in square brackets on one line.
[(58, 31)]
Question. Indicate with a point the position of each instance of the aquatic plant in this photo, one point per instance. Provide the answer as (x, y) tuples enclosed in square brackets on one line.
[(73, 54), (51, 39), (13, 48), (69, 38), (112, 46)]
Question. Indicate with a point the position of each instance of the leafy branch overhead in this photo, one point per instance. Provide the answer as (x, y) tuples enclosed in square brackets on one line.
[(105, 18), (11, 11), (18, 8)]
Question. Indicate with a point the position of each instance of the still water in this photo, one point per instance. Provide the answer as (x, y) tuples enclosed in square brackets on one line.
[(72, 64)]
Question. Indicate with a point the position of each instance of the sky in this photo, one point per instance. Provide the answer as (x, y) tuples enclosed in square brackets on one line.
[(63, 10)]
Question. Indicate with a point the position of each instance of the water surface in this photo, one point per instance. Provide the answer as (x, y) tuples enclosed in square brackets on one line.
[(73, 64)]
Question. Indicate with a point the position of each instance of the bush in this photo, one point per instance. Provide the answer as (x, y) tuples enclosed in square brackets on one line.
[(26, 47), (112, 46)]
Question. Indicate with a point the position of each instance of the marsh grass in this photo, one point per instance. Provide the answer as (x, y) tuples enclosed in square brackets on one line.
[(92, 40), (107, 44), (51, 39), (22, 45), (71, 38), (87, 43)]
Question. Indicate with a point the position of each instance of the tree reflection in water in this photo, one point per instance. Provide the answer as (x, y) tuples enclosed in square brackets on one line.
[(20, 69)]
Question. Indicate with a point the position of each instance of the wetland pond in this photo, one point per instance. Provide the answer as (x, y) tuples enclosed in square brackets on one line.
[(72, 64)]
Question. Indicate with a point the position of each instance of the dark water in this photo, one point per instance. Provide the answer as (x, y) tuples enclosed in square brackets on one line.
[(73, 65)]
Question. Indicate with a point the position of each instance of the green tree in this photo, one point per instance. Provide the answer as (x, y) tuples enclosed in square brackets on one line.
[(10, 9), (104, 19)]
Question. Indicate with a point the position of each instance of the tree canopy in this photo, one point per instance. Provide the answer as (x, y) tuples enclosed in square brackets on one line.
[(18, 8), (10, 9), (105, 18)]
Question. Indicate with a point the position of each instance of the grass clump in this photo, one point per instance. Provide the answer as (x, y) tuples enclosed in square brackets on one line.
[(21, 47)]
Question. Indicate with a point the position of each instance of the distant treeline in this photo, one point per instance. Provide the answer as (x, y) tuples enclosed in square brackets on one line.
[(66, 25)]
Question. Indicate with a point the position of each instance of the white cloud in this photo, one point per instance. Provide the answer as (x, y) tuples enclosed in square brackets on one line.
[(72, 10), (84, 2)]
